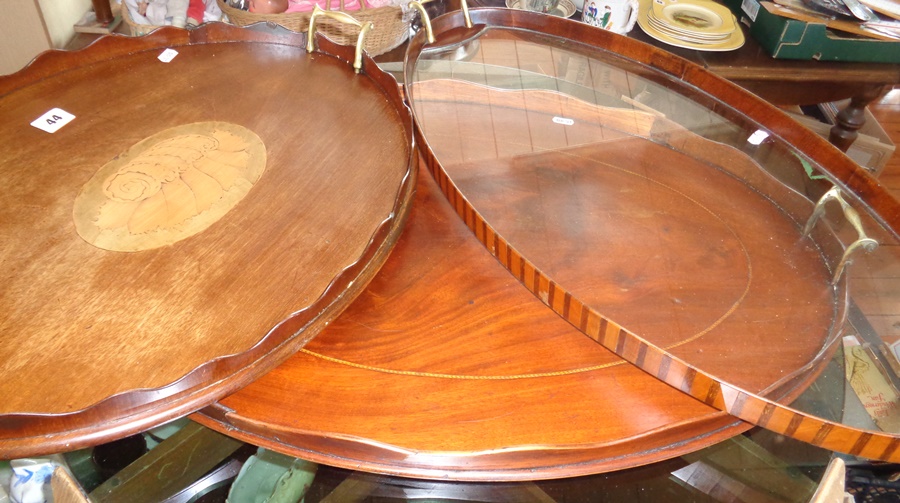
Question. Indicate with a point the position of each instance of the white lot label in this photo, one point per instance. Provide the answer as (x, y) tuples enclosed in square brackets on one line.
[(53, 120), (168, 55)]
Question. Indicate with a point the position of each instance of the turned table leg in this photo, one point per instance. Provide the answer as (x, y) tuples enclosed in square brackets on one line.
[(850, 119), (103, 11)]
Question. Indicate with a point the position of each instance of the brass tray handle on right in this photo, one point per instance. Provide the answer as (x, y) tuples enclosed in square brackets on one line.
[(863, 240), (342, 17)]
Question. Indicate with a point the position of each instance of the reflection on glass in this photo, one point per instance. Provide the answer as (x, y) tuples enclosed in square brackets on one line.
[(671, 214)]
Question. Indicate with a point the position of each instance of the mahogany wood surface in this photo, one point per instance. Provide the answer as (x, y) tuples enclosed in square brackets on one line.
[(443, 369), (651, 236), (388, 421), (100, 343), (446, 367), (667, 366), (847, 173)]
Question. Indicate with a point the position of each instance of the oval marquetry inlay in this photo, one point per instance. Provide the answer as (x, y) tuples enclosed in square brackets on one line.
[(169, 186)]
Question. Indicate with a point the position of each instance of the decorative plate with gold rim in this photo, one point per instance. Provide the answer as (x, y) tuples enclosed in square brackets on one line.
[(726, 37), (694, 16)]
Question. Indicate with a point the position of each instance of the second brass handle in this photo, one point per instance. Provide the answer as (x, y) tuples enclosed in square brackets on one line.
[(426, 19), (342, 17), (852, 216)]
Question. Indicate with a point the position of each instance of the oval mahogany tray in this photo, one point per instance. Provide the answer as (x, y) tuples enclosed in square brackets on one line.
[(196, 223), (671, 248)]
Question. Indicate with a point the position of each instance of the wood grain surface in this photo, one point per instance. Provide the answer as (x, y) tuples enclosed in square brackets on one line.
[(442, 368), (97, 342), (446, 367), (689, 375), (629, 225)]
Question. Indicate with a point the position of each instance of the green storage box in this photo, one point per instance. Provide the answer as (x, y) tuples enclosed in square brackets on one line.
[(785, 38)]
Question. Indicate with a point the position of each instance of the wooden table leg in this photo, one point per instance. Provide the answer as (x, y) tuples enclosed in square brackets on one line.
[(103, 11), (850, 119)]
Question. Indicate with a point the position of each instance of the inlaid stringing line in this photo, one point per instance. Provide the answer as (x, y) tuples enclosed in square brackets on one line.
[(467, 377)]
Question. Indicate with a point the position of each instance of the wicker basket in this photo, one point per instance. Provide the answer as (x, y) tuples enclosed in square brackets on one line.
[(391, 25), (136, 29)]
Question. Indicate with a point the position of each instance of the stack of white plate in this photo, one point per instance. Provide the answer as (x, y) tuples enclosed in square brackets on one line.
[(696, 24)]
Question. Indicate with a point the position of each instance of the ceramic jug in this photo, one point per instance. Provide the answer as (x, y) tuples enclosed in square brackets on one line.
[(615, 15)]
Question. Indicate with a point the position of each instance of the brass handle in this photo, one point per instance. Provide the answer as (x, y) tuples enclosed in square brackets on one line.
[(342, 17), (862, 241), (465, 10), (426, 20)]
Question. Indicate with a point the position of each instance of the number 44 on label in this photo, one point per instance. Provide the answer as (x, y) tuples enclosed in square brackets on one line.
[(53, 120)]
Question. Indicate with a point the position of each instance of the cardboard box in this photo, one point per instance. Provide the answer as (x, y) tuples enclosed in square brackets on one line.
[(792, 39), (872, 148)]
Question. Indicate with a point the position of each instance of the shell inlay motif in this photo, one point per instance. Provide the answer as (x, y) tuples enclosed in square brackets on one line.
[(169, 186)]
